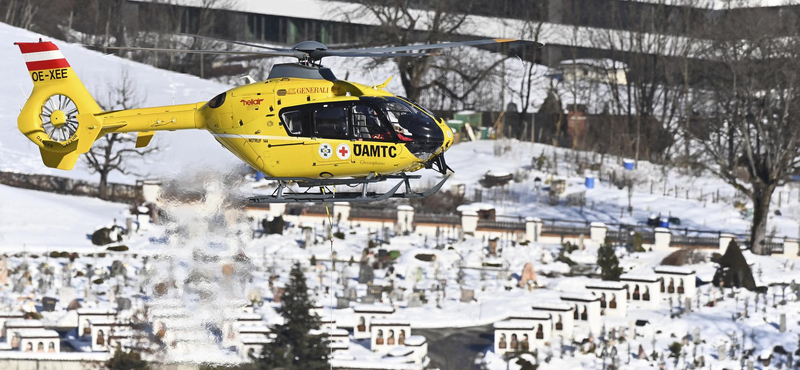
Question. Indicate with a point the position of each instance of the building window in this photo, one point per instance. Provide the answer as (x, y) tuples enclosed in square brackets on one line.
[(646, 295), (502, 344), (51, 347), (636, 292), (100, 340), (379, 340), (671, 287), (559, 324), (576, 313), (525, 345), (602, 300), (514, 342), (401, 340), (613, 303), (539, 332), (681, 290), (584, 314), (662, 286)]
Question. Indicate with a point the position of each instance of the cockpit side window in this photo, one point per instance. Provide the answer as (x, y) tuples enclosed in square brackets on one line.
[(367, 124)]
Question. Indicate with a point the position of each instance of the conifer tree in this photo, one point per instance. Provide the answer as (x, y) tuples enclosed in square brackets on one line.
[(294, 347), (608, 261)]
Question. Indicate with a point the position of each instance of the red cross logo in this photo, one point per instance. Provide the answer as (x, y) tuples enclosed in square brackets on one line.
[(343, 151)]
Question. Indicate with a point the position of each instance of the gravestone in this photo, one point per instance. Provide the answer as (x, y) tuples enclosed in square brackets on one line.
[(123, 304), (528, 275), (688, 304), (696, 335), (66, 294), (118, 269), (351, 294), (721, 352), (49, 304), (398, 294), (365, 274), (375, 291), (3, 270), (368, 299), (414, 300), (467, 295), (783, 323), (342, 302)]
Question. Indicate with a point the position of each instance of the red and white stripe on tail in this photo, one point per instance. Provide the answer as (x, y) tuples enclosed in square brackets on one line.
[(42, 55)]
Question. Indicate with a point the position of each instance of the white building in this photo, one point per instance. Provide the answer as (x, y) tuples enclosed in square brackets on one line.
[(677, 281), (86, 314), (39, 340), (252, 344), (561, 317), (543, 324), (613, 301), (643, 290), (420, 346), (587, 310), (364, 314), (101, 330), (387, 333), (12, 315), (11, 327), (513, 336)]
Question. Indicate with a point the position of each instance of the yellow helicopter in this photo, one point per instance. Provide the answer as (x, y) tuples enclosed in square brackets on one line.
[(302, 125)]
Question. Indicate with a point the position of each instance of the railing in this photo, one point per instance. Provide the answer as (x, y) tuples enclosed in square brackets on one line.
[(502, 225), (565, 230), (389, 215), (694, 241), (317, 209), (437, 218)]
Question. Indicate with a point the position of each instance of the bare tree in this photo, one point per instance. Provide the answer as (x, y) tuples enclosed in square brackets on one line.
[(752, 141), (116, 152), (404, 22)]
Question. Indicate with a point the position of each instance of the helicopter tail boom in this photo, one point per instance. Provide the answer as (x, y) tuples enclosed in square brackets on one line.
[(62, 118)]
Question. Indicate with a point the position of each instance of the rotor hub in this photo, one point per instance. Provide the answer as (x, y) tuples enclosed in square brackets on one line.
[(58, 118)]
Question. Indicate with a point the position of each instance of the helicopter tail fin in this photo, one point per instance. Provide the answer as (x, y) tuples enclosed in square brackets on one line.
[(59, 116)]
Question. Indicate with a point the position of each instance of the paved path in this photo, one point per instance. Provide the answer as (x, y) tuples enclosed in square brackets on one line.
[(457, 348)]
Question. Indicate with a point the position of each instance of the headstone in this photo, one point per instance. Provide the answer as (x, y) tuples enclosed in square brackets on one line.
[(696, 335), (783, 323), (49, 304), (3, 270), (351, 294), (254, 296), (467, 295), (414, 300), (642, 355), (365, 274), (118, 269), (750, 365), (375, 291), (721, 352), (398, 294), (688, 304), (368, 299), (123, 304), (342, 302), (66, 294), (528, 274)]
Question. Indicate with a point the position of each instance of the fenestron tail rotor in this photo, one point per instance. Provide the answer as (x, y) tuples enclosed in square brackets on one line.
[(59, 117)]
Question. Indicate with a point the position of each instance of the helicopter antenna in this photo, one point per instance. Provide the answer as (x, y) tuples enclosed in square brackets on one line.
[(372, 77)]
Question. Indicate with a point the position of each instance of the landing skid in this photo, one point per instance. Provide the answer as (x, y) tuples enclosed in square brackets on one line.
[(327, 195)]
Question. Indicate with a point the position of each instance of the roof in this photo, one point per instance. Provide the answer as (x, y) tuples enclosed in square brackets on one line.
[(7, 314), (579, 296), (37, 333), (249, 317), (640, 277), (373, 308), (552, 306), (96, 311), (605, 285), (22, 323), (673, 270), (104, 321), (372, 365), (253, 329), (533, 315), (515, 324), (415, 340), (400, 351), (389, 322)]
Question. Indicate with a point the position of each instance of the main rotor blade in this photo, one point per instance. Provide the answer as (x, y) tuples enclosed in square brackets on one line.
[(445, 45), (235, 42), (335, 53), (295, 54)]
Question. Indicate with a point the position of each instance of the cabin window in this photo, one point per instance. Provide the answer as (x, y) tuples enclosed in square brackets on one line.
[(295, 123), (331, 122), (217, 101)]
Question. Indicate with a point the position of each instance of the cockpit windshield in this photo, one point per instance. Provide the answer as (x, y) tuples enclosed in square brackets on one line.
[(412, 125)]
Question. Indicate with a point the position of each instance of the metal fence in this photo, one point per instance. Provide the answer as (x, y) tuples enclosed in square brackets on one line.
[(389, 215), (437, 218), (501, 225)]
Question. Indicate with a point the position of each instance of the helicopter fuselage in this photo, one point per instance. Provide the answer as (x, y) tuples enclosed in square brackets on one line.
[(310, 128)]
